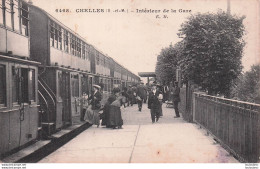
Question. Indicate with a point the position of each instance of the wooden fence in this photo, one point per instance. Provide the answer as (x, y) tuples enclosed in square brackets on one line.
[(186, 104), (235, 124)]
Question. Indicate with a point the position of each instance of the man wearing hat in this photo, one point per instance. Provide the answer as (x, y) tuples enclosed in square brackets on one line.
[(154, 103), (130, 95), (176, 99), (140, 95)]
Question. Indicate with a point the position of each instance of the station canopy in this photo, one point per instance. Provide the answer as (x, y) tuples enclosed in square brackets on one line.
[(146, 74)]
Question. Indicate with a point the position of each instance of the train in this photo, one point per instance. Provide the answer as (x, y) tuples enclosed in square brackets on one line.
[(45, 67)]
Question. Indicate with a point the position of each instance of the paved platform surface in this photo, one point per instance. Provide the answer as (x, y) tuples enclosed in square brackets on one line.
[(168, 141)]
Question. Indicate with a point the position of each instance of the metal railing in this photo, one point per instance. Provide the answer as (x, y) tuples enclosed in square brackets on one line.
[(47, 87), (235, 124), (48, 104)]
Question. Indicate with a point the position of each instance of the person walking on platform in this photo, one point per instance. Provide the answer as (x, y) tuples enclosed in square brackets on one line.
[(140, 96), (176, 99), (145, 94), (130, 95), (160, 97), (154, 104)]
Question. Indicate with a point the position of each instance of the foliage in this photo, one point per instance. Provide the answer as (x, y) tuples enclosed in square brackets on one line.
[(212, 50), (247, 86), (167, 64)]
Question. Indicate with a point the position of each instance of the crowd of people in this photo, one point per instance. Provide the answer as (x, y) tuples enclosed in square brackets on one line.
[(110, 114)]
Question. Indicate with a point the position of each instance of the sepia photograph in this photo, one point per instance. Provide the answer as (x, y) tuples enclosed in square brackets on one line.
[(129, 81)]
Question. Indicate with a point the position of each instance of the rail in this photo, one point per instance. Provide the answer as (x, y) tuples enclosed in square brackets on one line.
[(47, 87), (47, 92), (43, 102), (50, 116), (235, 124)]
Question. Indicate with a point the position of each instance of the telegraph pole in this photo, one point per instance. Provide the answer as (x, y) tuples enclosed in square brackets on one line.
[(228, 7)]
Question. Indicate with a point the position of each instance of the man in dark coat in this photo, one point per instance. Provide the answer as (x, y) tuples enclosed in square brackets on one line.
[(140, 96), (154, 104), (130, 95), (176, 99), (145, 94)]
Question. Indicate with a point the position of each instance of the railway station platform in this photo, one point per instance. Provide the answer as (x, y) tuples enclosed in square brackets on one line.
[(39, 149), (168, 141)]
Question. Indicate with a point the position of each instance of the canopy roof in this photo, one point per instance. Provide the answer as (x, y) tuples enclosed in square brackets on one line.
[(146, 74)]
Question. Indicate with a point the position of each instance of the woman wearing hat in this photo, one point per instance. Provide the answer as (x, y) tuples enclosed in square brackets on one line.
[(114, 114), (92, 115), (160, 97)]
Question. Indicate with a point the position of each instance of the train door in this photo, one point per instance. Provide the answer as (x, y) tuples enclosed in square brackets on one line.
[(105, 85), (120, 84), (101, 84), (109, 85), (84, 84), (18, 105), (59, 103), (75, 97), (22, 100), (65, 96), (112, 84), (90, 84), (96, 80)]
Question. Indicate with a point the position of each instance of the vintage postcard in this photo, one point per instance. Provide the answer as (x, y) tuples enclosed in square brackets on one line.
[(130, 81)]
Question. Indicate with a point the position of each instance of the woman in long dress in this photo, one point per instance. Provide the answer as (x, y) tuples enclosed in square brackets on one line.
[(89, 115), (114, 114), (92, 114), (105, 115)]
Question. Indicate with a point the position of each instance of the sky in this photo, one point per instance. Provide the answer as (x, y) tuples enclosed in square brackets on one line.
[(135, 39)]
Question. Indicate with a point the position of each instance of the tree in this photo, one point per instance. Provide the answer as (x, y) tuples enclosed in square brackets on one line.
[(212, 50), (167, 64), (247, 86)]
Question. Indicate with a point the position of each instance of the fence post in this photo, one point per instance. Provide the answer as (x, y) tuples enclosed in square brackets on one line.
[(194, 106), (258, 136)]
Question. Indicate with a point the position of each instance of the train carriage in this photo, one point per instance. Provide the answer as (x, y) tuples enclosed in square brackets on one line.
[(67, 69), (19, 115), (44, 69)]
